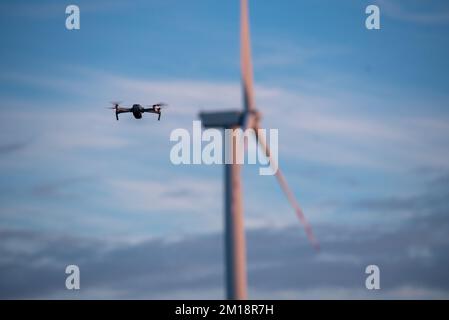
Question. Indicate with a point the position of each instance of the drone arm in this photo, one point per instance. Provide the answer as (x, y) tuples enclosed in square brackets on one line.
[(119, 110)]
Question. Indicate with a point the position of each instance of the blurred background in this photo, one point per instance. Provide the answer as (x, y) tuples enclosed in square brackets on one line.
[(363, 119)]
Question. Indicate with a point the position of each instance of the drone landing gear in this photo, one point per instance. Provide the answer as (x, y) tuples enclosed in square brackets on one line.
[(159, 117)]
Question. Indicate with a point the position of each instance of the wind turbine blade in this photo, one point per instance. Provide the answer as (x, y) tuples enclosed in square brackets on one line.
[(289, 194), (246, 66), (291, 198)]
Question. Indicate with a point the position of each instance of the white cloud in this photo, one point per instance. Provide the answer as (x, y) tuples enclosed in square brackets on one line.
[(176, 195), (311, 128), (82, 137), (344, 293)]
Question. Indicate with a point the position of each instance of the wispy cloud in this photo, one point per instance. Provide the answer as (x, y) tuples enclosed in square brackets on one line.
[(353, 137), (423, 12), (12, 147), (183, 194), (57, 189), (280, 264), (83, 138), (275, 53), (52, 10)]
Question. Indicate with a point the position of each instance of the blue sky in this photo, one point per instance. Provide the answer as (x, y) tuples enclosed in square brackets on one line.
[(363, 128)]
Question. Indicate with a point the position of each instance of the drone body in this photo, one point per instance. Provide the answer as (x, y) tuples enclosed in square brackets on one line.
[(137, 110)]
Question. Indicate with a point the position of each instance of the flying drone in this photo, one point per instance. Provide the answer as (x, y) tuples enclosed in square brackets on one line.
[(137, 110)]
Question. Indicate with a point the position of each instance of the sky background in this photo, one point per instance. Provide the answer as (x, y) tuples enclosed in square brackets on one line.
[(363, 121)]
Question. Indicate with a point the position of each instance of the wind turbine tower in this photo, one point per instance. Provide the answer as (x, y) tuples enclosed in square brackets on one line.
[(235, 247)]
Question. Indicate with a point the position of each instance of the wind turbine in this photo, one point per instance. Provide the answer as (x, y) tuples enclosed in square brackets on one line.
[(235, 248)]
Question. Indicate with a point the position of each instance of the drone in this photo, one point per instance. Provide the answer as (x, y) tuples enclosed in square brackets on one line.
[(137, 109)]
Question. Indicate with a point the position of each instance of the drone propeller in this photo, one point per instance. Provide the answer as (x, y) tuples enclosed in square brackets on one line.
[(160, 105), (116, 103), (158, 108), (115, 107)]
